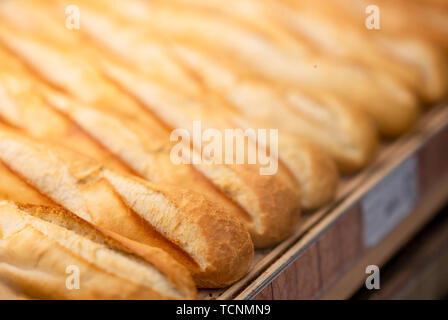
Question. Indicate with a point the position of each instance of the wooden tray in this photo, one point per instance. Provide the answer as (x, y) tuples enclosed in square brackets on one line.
[(373, 215)]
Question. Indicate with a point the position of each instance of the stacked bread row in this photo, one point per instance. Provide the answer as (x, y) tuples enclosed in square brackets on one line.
[(86, 116)]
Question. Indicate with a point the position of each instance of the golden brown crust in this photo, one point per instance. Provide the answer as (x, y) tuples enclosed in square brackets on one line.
[(298, 27), (230, 256), (364, 88), (155, 214), (260, 102), (416, 46), (344, 133), (158, 258), (279, 210), (145, 118), (319, 176), (243, 185), (319, 196), (229, 250), (52, 283)]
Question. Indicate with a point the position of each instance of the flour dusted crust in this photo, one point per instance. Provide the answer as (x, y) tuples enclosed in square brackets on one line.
[(214, 246), (142, 134), (111, 267)]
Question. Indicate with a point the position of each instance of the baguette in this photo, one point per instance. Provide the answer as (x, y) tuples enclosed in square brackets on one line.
[(240, 182), (164, 62), (308, 28), (292, 68), (24, 109), (363, 88), (106, 139), (256, 100), (272, 218), (38, 243), (345, 134), (293, 153), (214, 247), (321, 24)]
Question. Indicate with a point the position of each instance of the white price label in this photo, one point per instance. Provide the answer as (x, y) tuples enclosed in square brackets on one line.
[(389, 202)]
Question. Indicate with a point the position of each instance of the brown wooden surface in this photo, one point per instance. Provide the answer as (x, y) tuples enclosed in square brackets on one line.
[(319, 265), (344, 279), (354, 278), (420, 270), (433, 161)]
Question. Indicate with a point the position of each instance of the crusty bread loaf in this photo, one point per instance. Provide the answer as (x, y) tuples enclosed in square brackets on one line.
[(344, 133), (408, 58), (349, 138), (320, 24), (23, 108), (280, 209), (255, 100), (148, 155), (38, 244), (305, 26), (215, 247), (291, 63), (112, 141), (295, 66), (372, 91)]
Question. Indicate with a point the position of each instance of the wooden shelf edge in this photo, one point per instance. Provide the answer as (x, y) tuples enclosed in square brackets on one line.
[(311, 265), (354, 278)]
